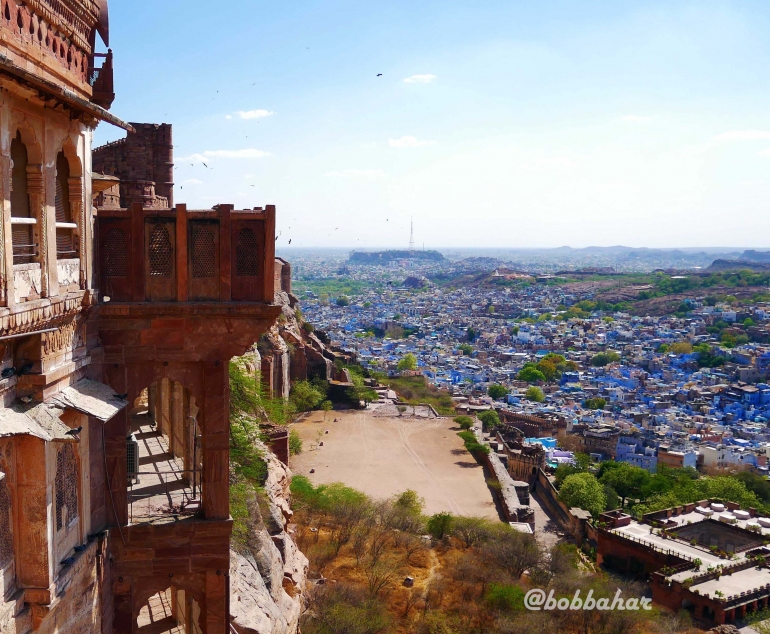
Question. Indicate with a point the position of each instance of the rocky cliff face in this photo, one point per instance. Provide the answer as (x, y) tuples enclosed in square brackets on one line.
[(267, 578), (289, 352)]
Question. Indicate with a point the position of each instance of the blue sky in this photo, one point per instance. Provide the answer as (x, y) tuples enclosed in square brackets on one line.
[(501, 124)]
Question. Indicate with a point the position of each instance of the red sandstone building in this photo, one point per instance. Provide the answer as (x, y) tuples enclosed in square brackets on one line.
[(707, 558), (119, 313)]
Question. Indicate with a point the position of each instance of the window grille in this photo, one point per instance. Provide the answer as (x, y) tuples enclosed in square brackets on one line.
[(66, 484), (203, 251), (6, 534), (161, 252), (246, 253), (115, 253)]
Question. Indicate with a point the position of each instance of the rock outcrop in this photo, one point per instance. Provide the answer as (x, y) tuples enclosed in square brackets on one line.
[(291, 351), (268, 576)]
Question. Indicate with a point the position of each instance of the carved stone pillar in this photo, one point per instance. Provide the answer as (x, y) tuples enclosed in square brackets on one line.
[(78, 213), (36, 190)]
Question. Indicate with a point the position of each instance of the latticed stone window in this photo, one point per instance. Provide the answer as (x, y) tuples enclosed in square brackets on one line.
[(116, 253), (203, 251), (6, 531), (161, 252), (246, 253), (66, 485)]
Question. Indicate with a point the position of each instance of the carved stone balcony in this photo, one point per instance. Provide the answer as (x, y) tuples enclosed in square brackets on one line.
[(176, 255)]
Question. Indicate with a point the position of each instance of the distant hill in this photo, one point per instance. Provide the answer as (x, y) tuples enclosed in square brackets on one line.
[(382, 257), (732, 265), (756, 256)]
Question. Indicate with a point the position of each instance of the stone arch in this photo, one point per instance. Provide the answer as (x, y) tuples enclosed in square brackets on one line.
[(191, 584), (29, 138)]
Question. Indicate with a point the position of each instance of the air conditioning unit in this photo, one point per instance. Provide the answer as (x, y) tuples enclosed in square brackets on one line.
[(132, 459)]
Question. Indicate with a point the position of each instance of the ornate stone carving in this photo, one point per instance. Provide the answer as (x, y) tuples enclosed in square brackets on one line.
[(70, 335)]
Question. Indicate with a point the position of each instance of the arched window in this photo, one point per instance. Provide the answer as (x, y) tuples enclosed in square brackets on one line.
[(66, 487), (22, 221), (246, 253), (65, 244)]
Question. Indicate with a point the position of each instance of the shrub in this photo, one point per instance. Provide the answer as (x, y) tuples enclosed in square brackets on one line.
[(505, 598), (465, 422), (295, 443), (440, 524)]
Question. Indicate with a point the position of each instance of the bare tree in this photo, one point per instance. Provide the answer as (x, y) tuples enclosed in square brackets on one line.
[(412, 546), (361, 540), (379, 573), (412, 597), (379, 542)]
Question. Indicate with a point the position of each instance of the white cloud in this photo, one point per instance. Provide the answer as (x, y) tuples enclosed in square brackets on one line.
[(742, 135), (354, 173), (409, 141), (192, 181), (419, 79), (254, 114), (634, 118), (247, 153), (227, 116)]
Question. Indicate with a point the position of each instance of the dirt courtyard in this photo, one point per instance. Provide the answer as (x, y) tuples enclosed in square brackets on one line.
[(382, 456)]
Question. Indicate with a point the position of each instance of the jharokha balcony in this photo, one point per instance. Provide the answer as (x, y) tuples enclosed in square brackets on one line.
[(176, 255)]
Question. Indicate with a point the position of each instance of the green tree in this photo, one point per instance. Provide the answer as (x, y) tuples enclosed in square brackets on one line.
[(681, 347), (627, 480), (471, 333), (535, 394), (595, 403), (407, 362), (305, 396), (440, 524), (466, 349), (530, 374), (604, 358), (583, 490), (326, 406), (497, 391), (489, 419), (343, 300)]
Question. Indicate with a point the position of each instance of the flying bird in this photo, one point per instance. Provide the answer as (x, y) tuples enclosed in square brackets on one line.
[(289, 240), (73, 432), (204, 165), (379, 74)]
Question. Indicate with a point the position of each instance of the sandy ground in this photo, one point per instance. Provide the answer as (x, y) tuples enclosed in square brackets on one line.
[(383, 456)]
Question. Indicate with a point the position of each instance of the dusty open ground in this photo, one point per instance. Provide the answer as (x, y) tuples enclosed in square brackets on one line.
[(383, 456)]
